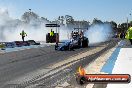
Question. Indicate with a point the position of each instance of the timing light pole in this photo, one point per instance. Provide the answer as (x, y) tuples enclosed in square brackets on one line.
[(127, 20)]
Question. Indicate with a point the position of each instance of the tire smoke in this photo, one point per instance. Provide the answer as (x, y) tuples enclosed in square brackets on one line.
[(98, 33), (10, 30)]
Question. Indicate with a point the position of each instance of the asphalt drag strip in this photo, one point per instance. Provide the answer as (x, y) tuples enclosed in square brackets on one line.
[(64, 71), (37, 69)]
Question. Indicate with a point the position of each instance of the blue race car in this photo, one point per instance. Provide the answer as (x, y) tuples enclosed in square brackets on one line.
[(73, 44)]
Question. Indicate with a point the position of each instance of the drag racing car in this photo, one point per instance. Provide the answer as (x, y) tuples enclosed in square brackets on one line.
[(77, 41)]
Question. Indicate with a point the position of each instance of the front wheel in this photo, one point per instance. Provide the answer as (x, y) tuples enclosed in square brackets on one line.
[(56, 47)]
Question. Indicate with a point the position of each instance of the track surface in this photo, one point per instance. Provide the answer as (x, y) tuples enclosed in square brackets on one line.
[(15, 65)]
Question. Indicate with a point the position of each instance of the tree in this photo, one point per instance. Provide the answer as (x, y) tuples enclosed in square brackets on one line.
[(69, 19), (122, 27), (28, 16), (130, 23), (96, 21), (114, 26)]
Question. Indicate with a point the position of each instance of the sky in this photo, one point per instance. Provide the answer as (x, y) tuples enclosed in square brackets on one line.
[(105, 10)]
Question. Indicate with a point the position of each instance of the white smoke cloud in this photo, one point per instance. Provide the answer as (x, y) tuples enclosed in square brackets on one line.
[(99, 33), (65, 32), (10, 30)]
